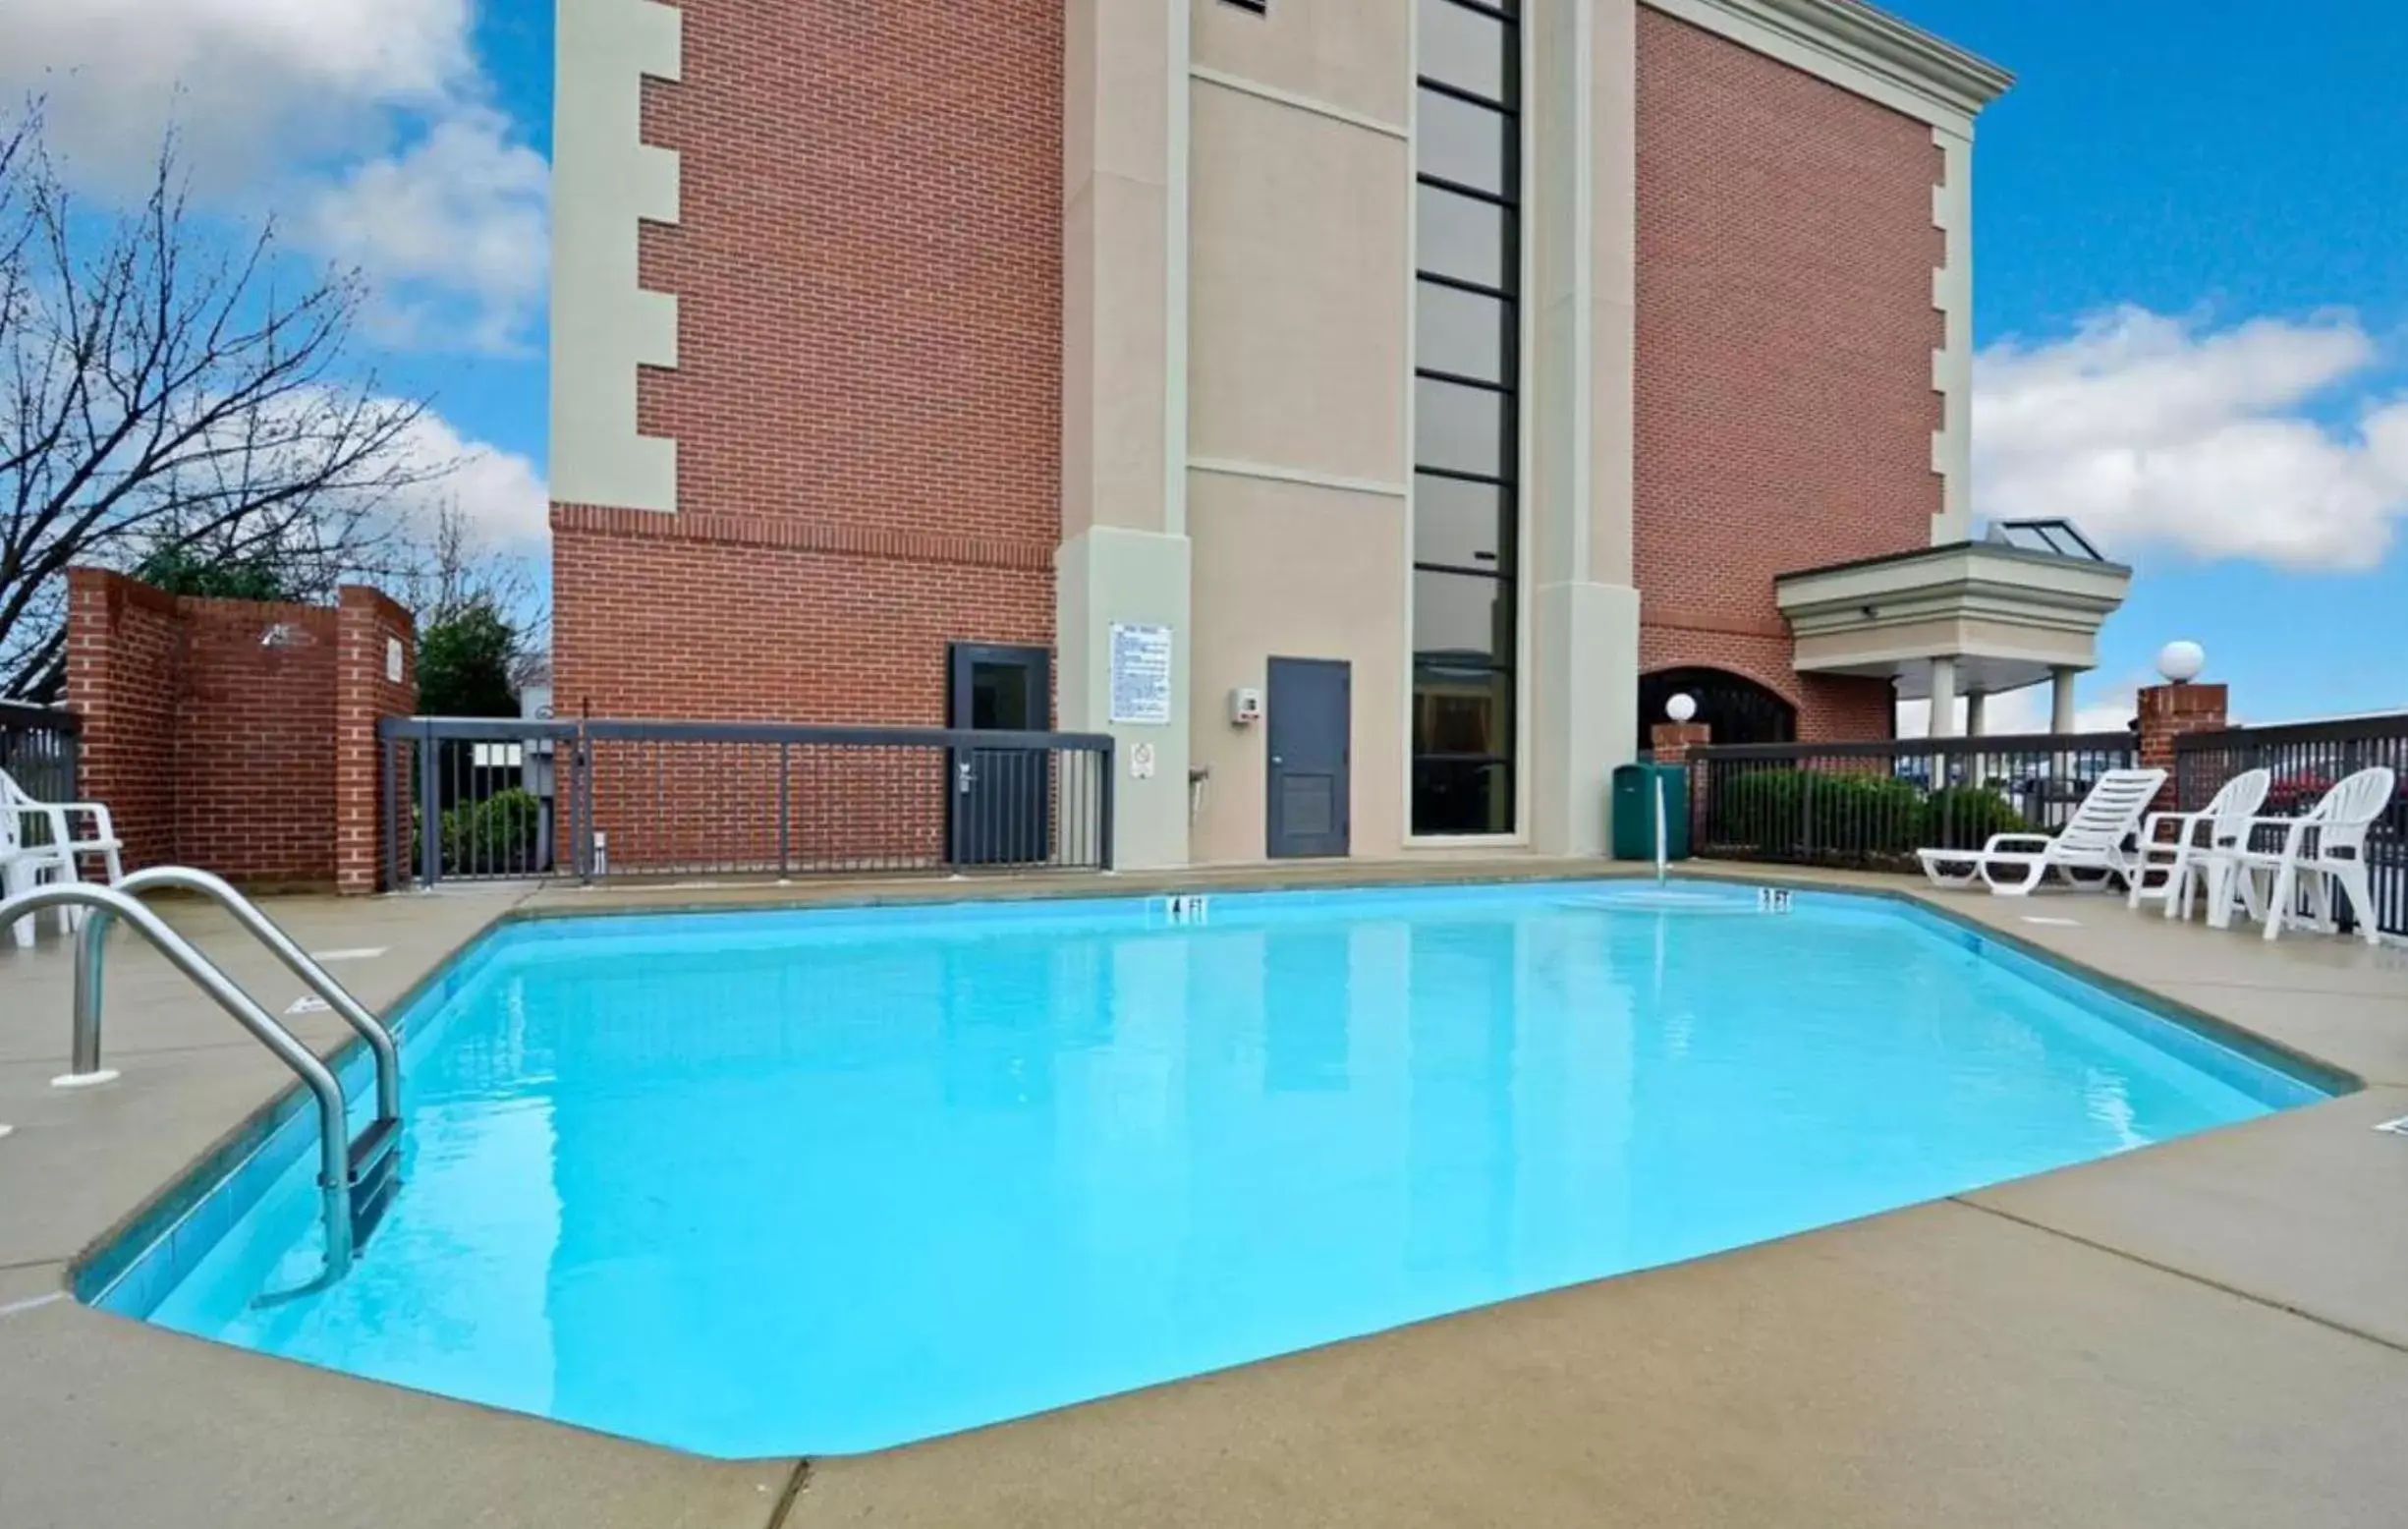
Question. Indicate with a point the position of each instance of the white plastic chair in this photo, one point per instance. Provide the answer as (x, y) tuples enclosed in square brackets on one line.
[(2323, 848), (2093, 841), (2223, 823), (27, 860)]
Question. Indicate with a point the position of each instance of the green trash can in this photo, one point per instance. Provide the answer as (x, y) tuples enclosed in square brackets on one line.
[(1634, 811)]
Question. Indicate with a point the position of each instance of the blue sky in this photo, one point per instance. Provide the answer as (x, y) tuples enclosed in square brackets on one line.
[(2224, 162), (2192, 251)]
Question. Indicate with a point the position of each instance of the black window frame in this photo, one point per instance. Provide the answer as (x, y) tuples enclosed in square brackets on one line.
[(1437, 775)]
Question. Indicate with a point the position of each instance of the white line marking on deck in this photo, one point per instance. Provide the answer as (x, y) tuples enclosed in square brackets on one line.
[(2034, 918), (308, 1003), (365, 953), (2397, 1127), (31, 1303)]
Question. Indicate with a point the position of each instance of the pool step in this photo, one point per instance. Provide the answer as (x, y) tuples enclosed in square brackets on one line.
[(376, 1172)]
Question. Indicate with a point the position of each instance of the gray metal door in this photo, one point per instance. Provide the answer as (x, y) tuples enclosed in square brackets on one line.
[(1309, 705), (998, 810)]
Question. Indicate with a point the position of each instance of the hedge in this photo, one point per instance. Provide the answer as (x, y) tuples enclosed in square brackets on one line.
[(1850, 817)]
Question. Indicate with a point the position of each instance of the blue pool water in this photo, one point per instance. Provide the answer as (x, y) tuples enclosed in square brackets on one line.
[(764, 1184)]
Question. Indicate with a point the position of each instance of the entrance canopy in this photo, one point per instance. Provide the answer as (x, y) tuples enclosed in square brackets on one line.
[(2020, 606)]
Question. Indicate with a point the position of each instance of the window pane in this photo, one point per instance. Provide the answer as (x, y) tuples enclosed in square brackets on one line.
[(1459, 427), (1461, 332), (1463, 524), (1461, 618), (1462, 711), (1458, 796), (1464, 48), (1461, 235), (1462, 142)]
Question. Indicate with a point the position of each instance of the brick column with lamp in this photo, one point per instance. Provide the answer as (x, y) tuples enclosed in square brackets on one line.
[(1672, 741), (2175, 709)]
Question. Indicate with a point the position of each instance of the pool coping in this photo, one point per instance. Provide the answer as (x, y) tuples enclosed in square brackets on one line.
[(141, 1247)]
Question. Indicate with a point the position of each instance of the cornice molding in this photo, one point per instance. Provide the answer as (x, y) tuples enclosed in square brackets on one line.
[(1854, 45)]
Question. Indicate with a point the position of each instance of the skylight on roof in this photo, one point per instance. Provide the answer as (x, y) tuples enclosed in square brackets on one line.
[(2054, 538)]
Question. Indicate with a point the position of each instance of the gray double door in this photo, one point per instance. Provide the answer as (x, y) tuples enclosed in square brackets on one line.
[(1309, 704)]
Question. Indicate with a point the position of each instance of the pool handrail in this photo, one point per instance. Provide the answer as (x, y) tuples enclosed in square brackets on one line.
[(334, 1176), (89, 987)]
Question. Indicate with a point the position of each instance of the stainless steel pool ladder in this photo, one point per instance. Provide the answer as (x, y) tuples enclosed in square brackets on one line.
[(355, 1179)]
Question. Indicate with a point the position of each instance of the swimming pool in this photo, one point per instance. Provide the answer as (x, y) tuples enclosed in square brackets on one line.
[(776, 1183)]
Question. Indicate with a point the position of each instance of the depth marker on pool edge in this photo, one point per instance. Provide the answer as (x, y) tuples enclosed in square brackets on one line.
[(367, 954)]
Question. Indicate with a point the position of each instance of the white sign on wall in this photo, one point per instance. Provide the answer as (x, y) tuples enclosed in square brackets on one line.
[(1140, 762), (393, 659), (1140, 675)]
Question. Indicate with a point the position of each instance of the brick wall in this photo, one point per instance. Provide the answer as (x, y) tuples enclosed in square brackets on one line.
[(1783, 406), (211, 728), (867, 405), (369, 628), (254, 769), (124, 649)]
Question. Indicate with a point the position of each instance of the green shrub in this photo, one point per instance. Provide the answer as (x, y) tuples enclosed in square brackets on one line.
[(499, 833), (1847, 817), (1965, 817)]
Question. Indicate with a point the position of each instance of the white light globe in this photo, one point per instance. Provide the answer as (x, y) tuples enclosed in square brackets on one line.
[(1681, 708), (2180, 662)]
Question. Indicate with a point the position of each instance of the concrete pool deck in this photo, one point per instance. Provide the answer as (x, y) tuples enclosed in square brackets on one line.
[(2209, 1331)]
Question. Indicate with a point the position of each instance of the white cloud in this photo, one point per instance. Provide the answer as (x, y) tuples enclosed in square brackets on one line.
[(500, 492), (248, 81), (2162, 434), (367, 121), (452, 230)]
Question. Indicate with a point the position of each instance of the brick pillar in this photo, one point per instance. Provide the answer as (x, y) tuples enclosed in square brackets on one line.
[(1672, 741), (125, 648), (375, 677), (2168, 712)]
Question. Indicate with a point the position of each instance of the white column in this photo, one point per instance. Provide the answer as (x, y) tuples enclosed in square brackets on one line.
[(2061, 700), (1974, 727), (1944, 698), (1582, 188), (1125, 557)]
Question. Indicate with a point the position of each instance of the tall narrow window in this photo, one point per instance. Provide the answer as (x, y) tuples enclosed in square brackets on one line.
[(1467, 432)]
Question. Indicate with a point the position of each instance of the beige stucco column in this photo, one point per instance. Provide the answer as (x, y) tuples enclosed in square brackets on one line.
[(1124, 557), (1975, 719), (2061, 699), (1944, 698), (1581, 187)]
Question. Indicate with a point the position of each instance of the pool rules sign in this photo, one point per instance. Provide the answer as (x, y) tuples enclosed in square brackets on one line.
[(1140, 675)]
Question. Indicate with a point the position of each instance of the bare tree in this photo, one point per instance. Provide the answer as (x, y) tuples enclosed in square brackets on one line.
[(442, 567), (156, 397)]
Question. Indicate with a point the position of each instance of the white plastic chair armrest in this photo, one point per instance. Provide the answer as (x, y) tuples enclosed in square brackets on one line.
[(99, 814), (2186, 827)]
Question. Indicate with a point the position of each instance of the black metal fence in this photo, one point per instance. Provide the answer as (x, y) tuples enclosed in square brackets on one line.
[(39, 748), (1870, 806), (468, 799), (2306, 760)]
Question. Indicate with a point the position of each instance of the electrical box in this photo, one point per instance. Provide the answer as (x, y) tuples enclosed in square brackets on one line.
[(1245, 706)]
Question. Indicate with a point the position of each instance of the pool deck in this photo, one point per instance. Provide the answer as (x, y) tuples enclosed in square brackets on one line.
[(2212, 1332)]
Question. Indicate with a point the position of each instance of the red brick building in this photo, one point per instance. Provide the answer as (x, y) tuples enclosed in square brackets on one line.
[(1374, 408)]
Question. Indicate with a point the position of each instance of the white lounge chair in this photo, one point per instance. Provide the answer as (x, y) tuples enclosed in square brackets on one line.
[(2092, 842), (2223, 823), (2323, 848), (28, 858)]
